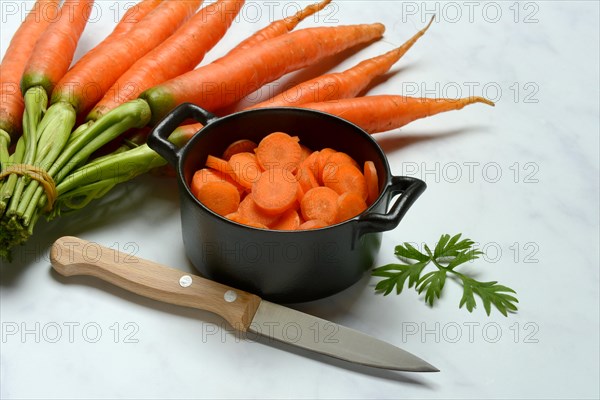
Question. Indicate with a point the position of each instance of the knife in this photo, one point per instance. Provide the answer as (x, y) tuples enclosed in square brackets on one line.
[(244, 311)]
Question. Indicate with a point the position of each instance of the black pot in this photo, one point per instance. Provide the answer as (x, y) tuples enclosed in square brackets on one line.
[(281, 266)]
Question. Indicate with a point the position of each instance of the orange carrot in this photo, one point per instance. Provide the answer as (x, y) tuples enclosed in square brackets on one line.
[(289, 221), (232, 77), (280, 27), (184, 133), (370, 173), (320, 203), (178, 54), (251, 212), (321, 160), (306, 178), (245, 169), (14, 60), (239, 146), (275, 191), (240, 219), (97, 71), (306, 152), (219, 164), (53, 52), (350, 204), (278, 150), (333, 162), (312, 224), (133, 15), (386, 112), (206, 175), (221, 197), (342, 85), (347, 178)]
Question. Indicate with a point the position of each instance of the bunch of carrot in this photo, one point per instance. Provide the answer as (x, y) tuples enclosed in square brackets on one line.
[(139, 72), (282, 185)]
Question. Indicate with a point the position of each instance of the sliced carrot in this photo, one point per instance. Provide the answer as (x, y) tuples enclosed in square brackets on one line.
[(221, 197), (312, 224), (275, 191), (289, 221), (219, 164), (245, 169), (333, 162), (347, 178), (306, 178), (251, 212), (321, 160), (206, 175), (239, 146), (372, 180), (320, 203), (279, 150), (311, 162), (350, 204), (237, 217), (306, 152)]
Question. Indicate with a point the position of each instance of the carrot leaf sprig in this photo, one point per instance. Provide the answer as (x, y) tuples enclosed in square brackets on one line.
[(448, 254)]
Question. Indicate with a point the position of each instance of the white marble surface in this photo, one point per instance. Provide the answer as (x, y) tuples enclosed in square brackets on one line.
[(538, 223)]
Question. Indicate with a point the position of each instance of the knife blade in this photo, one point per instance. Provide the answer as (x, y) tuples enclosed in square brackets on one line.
[(244, 311)]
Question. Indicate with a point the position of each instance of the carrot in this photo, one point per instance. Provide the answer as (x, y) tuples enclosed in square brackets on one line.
[(237, 217), (386, 112), (350, 204), (280, 27), (275, 191), (245, 169), (133, 15), (306, 152), (312, 224), (320, 203), (251, 212), (370, 173), (306, 178), (219, 164), (14, 60), (289, 221), (342, 85), (311, 162), (321, 160), (97, 71), (234, 76), (184, 133), (347, 178), (239, 146), (278, 150), (205, 175), (53, 52), (180, 53), (221, 197), (333, 162)]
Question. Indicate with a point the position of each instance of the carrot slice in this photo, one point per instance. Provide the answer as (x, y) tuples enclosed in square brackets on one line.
[(311, 162), (321, 160), (245, 169), (239, 146), (347, 178), (333, 162), (206, 175), (306, 179), (289, 221), (306, 152), (250, 211), (320, 203), (372, 180), (240, 219), (221, 197), (312, 224), (219, 164), (350, 204), (275, 191), (279, 150)]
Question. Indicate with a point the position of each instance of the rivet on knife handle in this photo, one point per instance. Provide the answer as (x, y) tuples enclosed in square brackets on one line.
[(74, 256)]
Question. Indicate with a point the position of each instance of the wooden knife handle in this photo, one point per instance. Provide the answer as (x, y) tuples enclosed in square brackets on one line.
[(73, 256)]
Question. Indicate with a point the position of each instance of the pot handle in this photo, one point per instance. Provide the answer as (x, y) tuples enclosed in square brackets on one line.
[(411, 189), (158, 138)]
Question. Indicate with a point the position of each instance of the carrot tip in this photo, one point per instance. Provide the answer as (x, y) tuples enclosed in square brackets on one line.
[(483, 100)]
